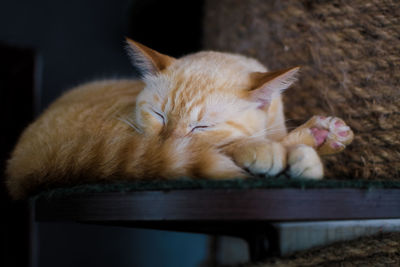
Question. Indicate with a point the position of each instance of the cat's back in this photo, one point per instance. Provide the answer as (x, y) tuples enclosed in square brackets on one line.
[(73, 129), (92, 104), (94, 99)]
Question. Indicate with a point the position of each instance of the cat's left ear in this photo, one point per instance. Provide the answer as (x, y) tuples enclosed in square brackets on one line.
[(268, 85), (146, 60)]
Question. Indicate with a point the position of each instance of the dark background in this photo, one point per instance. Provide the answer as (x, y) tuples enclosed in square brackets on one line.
[(47, 47)]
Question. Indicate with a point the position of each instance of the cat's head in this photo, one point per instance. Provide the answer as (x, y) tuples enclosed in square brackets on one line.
[(218, 96)]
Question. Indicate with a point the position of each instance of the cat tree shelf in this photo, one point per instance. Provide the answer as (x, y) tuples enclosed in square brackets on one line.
[(222, 205), (239, 208)]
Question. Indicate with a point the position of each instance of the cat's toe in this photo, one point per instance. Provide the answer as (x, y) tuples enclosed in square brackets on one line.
[(304, 162), (340, 132)]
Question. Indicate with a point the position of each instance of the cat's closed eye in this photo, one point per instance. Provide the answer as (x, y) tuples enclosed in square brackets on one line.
[(160, 116), (199, 128)]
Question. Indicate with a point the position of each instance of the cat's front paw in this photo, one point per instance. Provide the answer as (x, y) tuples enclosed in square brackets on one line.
[(261, 158), (304, 162), (327, 135), (331, 134)]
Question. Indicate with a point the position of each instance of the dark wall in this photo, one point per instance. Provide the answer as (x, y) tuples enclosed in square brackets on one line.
[(171, 27), (76, 41), (79, 245), (73, 42), (17, 70), (79, 41)]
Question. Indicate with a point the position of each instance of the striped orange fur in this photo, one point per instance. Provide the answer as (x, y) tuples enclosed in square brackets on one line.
[(206, 115)]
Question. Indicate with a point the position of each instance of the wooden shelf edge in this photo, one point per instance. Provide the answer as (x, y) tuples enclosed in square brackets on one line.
[(222, 205)]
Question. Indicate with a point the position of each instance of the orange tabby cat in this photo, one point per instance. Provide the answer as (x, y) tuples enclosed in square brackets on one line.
[(209, 114)]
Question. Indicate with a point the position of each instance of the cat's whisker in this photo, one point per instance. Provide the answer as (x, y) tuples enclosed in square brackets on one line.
[(264, 133), (130, 124), (269, 130)]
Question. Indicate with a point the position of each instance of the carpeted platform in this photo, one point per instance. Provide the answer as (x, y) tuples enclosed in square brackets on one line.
[(182, 184), (380, 250)]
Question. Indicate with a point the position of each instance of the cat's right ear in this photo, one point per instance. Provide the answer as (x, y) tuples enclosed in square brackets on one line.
[(268, 85), (147, 61)]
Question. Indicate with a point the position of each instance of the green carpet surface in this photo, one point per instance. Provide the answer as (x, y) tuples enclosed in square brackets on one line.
[(184, 184)]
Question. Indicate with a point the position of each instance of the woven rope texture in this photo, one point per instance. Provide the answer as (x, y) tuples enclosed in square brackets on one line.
[(350, 57)]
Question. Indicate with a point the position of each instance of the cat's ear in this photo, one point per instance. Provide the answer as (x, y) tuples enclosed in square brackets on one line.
[(146, 60), (268, 85)]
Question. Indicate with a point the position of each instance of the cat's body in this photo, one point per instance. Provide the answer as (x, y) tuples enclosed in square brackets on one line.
[(211, 115)]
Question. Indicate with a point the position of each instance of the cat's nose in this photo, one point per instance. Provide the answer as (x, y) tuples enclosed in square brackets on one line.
[(179, 132), (174, 132)]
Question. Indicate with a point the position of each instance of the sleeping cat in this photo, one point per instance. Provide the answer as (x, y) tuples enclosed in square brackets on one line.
[(206, 115)]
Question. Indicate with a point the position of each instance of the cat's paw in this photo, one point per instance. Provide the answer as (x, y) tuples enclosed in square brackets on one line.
[(262, 158), (304, 162), (331, 134)]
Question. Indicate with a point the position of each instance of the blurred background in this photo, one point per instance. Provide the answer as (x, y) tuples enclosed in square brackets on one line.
[(47, 47), (348, 50)]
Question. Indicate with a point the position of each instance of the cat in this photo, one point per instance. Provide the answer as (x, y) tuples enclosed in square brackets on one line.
[(207, 115)]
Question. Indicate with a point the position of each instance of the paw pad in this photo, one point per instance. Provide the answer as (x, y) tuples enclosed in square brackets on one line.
[(331, 134), (320, 135)]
